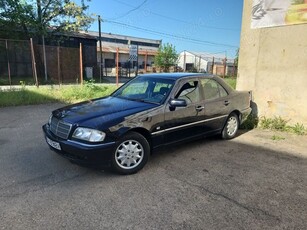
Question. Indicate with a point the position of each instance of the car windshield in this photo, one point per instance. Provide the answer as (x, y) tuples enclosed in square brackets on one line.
[(146, 89)]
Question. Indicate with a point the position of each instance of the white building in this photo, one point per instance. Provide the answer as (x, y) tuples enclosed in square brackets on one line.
[(191, 61), (205, 62)]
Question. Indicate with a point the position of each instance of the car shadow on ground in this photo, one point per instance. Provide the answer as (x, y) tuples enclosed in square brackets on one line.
[(162, 150)]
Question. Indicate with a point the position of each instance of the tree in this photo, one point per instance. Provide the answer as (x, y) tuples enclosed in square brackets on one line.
[(37, 17), (166, 57)]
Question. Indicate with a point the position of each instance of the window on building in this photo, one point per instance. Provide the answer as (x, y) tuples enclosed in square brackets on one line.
[(109, 63)]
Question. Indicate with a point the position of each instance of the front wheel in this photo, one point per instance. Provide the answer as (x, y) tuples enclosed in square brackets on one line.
[(131, 153), (231, 127)]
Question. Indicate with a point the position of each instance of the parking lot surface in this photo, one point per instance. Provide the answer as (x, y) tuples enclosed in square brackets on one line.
[(250, 182)]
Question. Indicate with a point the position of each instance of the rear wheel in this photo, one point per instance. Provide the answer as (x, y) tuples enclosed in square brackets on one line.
[(131, 153), (231, 127)]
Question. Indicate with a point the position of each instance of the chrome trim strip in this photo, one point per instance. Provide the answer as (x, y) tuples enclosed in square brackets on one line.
[(60, 128), (186, 125), (90, 146)]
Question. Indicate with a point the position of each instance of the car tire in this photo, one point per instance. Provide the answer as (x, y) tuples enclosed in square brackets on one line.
[(231, 127), (131, 154)]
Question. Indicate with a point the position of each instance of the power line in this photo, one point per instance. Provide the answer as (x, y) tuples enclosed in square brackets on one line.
[(198, 41), (179, 20), (130, 11)]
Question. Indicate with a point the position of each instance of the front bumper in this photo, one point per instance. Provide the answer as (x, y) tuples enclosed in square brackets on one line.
[(97, 154)]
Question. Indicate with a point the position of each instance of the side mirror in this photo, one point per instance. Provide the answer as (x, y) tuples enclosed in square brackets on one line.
[(177, 103)]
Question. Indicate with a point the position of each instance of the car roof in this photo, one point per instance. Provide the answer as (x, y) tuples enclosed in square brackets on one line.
[(176, 75)]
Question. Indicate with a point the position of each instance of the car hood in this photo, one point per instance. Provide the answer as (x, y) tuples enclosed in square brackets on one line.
[(94, 113)]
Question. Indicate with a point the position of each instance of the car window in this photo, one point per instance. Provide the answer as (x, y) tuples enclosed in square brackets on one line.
[(189, 91), (212, 89), (147, 89), (161, 87), (223, 92), (136, 88)]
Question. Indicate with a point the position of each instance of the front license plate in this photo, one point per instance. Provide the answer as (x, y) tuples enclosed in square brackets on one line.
[(53, 144)]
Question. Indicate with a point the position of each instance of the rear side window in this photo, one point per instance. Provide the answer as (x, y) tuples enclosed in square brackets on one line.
[(223, 92), (212, 89)]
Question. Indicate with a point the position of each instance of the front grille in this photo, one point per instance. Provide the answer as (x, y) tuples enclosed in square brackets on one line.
[(60, 128)]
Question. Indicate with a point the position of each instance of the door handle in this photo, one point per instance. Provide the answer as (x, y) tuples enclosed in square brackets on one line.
[(226, 103), (199, 108)]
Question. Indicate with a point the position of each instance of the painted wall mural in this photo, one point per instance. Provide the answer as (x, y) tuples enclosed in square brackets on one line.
[(271, 13)]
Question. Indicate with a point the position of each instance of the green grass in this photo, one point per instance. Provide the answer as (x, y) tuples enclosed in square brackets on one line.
[(231, 81), (16, 80), (47, 94), (274, 124), (280, 124)]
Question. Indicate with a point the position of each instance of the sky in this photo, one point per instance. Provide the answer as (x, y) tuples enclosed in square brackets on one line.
[(195, 25)]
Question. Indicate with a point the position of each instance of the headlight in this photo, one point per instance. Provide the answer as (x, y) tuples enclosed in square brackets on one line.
[(91, 135)]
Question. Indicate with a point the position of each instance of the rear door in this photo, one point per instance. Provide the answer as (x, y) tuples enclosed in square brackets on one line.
[(216, 105)]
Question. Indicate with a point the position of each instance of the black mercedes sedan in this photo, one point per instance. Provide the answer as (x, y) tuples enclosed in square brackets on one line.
[(147, 112)]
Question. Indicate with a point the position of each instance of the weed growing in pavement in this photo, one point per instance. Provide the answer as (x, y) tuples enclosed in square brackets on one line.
[(276, 123), (299, 129), (277, 138), (280, 124)]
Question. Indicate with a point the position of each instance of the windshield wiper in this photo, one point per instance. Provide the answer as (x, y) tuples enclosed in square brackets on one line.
[(129, 98), (152, 102), (138, 100)]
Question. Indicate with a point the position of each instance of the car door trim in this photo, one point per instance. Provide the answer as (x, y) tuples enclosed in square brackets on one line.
[(186, 125)]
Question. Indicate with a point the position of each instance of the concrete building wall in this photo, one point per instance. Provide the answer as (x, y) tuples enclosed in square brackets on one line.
[(273, 64)]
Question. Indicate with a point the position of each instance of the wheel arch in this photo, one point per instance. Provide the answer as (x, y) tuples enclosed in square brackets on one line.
[(121, 160), (144, 132), (239, 117), (238, 113)]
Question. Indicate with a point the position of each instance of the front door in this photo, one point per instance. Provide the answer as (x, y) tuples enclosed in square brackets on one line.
[(184, 123)]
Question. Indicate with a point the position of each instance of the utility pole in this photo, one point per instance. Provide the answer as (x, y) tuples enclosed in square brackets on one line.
[(100, 49), (225, 63), (81, 64), (137, 60), (184, 61), (224, 69), (40, 19)]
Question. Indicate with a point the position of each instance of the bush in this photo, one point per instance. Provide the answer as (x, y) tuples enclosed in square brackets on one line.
[(250, 123)]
